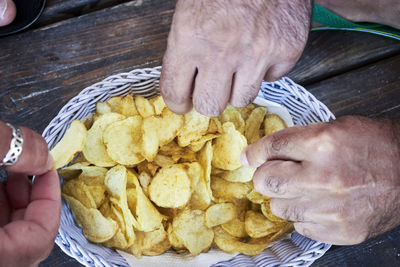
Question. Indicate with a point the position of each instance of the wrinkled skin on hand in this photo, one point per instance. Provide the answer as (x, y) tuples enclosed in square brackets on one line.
[(338, 182), (29, 212), (219, 51)]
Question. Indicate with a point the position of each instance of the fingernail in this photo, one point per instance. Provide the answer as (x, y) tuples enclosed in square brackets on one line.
[(49, 163), (3, 8), (243, 159)]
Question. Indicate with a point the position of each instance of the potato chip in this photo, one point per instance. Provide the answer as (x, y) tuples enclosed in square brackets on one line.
[(236, 226), (229, 190), (242, 174), (147, 216), (175, 242), (200, 198), (216, 171), (72, 171), (151, 243), (150, 141), (253, 124), (172, 148), (78, 190), (189, 227), (169, 126), (72, 143), (145, 180), (188, 156), (257, 225), (220, 213), (153, 168), (94, 225), (158, 104), (170, 187), (225, 155), (198, 144), (205, 159), (245, 112), (124, 147), (115, 104), (93, 175), (115, 182), (214, 126), (95, 150), (102, 108), (163, 161), (98, 194), (229, 243), (128, 106), (144, 107), (232, 114), (266, 211), (284, 228), (273, 123), (256, 197), (194, 128)]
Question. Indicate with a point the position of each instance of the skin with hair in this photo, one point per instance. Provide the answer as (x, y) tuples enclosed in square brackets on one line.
[(338, 182), (219, 51)]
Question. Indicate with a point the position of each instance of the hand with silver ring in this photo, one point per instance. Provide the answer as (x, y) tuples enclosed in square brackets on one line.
[(29, 212)]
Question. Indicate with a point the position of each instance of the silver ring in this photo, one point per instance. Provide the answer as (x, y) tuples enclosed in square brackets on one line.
[(15, 150)]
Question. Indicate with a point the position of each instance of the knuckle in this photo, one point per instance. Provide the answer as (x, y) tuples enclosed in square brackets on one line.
[(274, 184), (274, 144), (294, 213), (325, 141)]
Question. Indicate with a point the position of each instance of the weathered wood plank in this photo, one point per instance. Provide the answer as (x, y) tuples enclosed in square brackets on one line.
[(41, 70), (383, 250), (57, 61), (57, 10), (329, 53), (372, 90)]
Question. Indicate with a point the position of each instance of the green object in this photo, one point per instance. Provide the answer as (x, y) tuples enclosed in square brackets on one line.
[(331, 21)]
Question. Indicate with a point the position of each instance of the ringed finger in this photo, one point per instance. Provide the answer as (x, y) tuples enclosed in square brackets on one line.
[(34, 159)]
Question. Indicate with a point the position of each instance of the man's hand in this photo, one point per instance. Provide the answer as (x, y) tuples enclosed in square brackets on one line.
[(338, 182), (219, 51), (29, 213)]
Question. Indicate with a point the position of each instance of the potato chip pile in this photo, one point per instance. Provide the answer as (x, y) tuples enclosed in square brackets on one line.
[(147, 179)]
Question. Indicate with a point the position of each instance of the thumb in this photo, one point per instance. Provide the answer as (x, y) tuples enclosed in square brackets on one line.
[(7, 12)]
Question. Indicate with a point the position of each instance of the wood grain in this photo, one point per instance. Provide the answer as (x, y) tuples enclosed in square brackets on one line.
[(372, 90), (52, 64), (57, 10), (330, 53), (65, 57)]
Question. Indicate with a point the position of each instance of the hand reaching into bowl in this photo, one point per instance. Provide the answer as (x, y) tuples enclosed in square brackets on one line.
[(29, 212), (338, 182), (219, 51)]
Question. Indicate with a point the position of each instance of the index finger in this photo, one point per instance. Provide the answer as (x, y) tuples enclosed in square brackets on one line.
[(286, 144)]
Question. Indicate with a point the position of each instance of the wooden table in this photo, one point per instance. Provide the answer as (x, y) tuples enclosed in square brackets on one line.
[(77, 43)]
